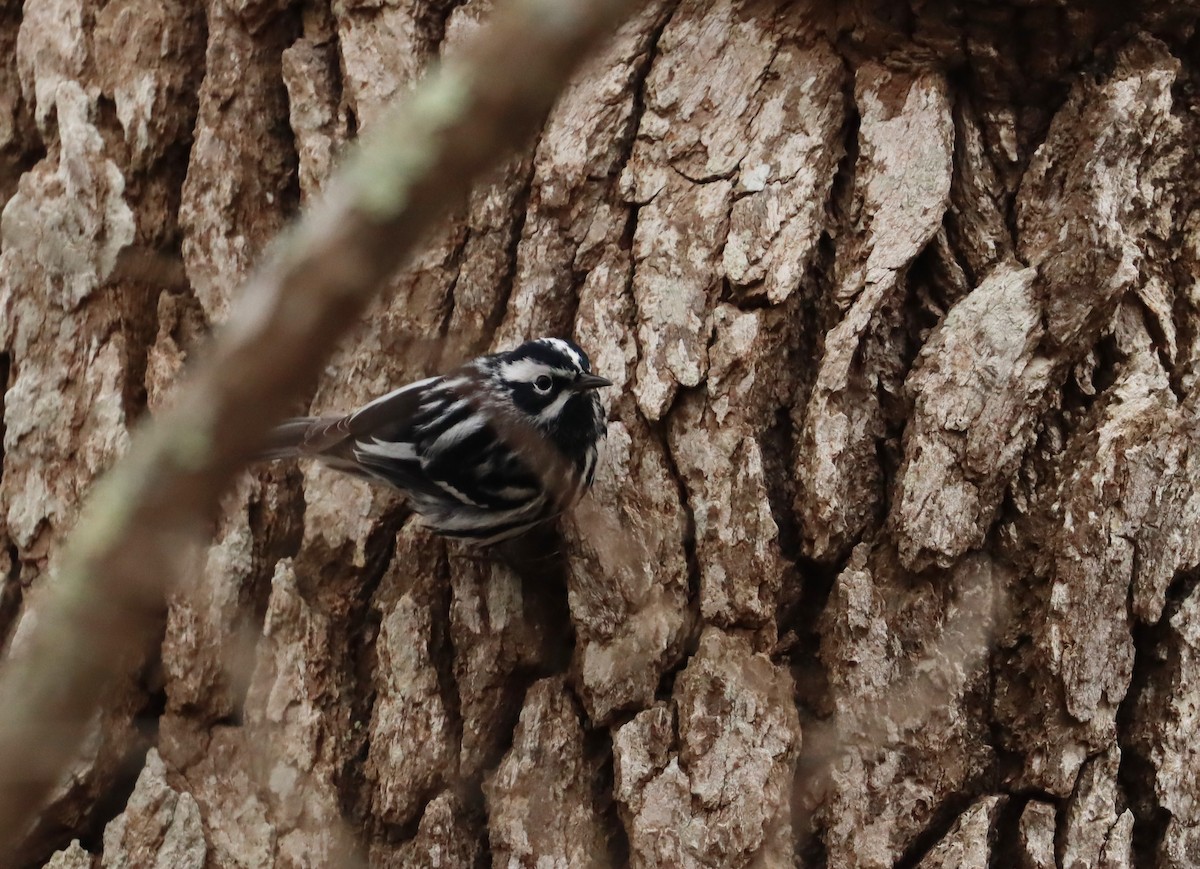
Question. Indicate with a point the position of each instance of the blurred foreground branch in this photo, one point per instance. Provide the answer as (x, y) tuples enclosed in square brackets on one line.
[(98, 614)]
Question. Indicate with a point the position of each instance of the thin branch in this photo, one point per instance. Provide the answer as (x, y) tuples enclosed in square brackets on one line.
[(99, 612)]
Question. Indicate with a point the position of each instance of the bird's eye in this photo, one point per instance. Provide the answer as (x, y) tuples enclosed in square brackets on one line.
[(543, 383)]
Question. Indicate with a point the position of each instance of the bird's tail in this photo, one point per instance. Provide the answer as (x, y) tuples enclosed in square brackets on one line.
[(285, 440)]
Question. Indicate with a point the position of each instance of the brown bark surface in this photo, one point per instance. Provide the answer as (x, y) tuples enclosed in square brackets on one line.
[(892, 554)]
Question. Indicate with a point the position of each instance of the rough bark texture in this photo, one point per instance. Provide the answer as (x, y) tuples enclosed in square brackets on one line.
[(891, 557)]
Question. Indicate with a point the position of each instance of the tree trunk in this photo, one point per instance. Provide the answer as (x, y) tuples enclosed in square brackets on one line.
[(892, 554)]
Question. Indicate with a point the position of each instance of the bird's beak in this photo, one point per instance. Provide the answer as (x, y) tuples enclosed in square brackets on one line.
[(591, 381)]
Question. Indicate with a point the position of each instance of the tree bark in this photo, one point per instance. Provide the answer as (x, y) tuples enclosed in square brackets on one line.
[(892, 554)]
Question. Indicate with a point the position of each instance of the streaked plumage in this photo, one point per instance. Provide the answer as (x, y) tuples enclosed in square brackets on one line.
[(483, 453)]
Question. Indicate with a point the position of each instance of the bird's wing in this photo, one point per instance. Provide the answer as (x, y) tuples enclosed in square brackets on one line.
[(392, 416), (389, 418), (384, 438), (437, 442)]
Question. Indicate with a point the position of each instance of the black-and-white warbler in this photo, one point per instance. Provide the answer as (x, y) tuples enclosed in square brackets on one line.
[(484, 452)]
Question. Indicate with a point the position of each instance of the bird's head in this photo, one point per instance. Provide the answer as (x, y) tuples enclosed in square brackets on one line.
[(550, 381)]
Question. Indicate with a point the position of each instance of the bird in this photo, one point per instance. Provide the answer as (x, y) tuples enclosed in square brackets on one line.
[(483, 453)]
